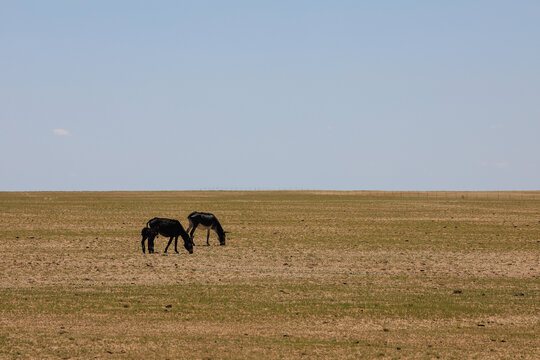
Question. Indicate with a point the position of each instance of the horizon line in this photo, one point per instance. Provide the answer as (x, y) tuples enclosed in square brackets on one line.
[(275, 190)]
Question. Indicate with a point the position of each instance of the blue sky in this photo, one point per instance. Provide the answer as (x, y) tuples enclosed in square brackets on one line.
[(179, 95)]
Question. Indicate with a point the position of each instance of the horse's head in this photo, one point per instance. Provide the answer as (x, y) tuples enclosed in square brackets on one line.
[(188, 244), (221, 238)]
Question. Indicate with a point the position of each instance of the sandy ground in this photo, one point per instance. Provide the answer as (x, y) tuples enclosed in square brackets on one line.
[(303, 275)]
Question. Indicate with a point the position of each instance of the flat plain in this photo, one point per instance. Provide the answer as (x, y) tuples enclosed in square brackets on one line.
[(303, 275)]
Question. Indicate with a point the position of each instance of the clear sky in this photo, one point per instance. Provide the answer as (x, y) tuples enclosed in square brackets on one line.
[(178, 95)]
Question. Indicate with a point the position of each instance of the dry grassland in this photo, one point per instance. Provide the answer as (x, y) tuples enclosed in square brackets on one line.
[(304, 275)]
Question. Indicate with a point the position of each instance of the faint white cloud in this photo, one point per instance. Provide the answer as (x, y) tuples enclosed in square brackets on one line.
[(497, 165), (496, 126), (61, 132)]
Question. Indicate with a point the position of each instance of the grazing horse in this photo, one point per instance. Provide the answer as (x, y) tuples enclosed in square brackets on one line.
[(150, 234), (206, 221), (171, 229)]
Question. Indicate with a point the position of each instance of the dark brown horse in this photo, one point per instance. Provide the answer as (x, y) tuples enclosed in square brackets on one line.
[(172, 229), (206, 221)]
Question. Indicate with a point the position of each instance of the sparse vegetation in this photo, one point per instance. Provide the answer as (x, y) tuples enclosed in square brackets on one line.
[(303, 275)]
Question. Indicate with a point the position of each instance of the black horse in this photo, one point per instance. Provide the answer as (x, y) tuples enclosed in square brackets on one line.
[(172, 229), (206, 221)]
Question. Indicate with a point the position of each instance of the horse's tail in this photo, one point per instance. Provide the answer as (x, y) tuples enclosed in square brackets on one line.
[(148, 222), (156, 229)]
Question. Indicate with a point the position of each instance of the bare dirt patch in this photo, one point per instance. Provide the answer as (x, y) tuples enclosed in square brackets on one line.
[(304, 274)]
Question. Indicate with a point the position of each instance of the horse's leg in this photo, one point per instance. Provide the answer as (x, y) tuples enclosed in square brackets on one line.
[(142, 243), (191, 234), (176, 244), (170, 241), (151, 245), (208, 237)]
